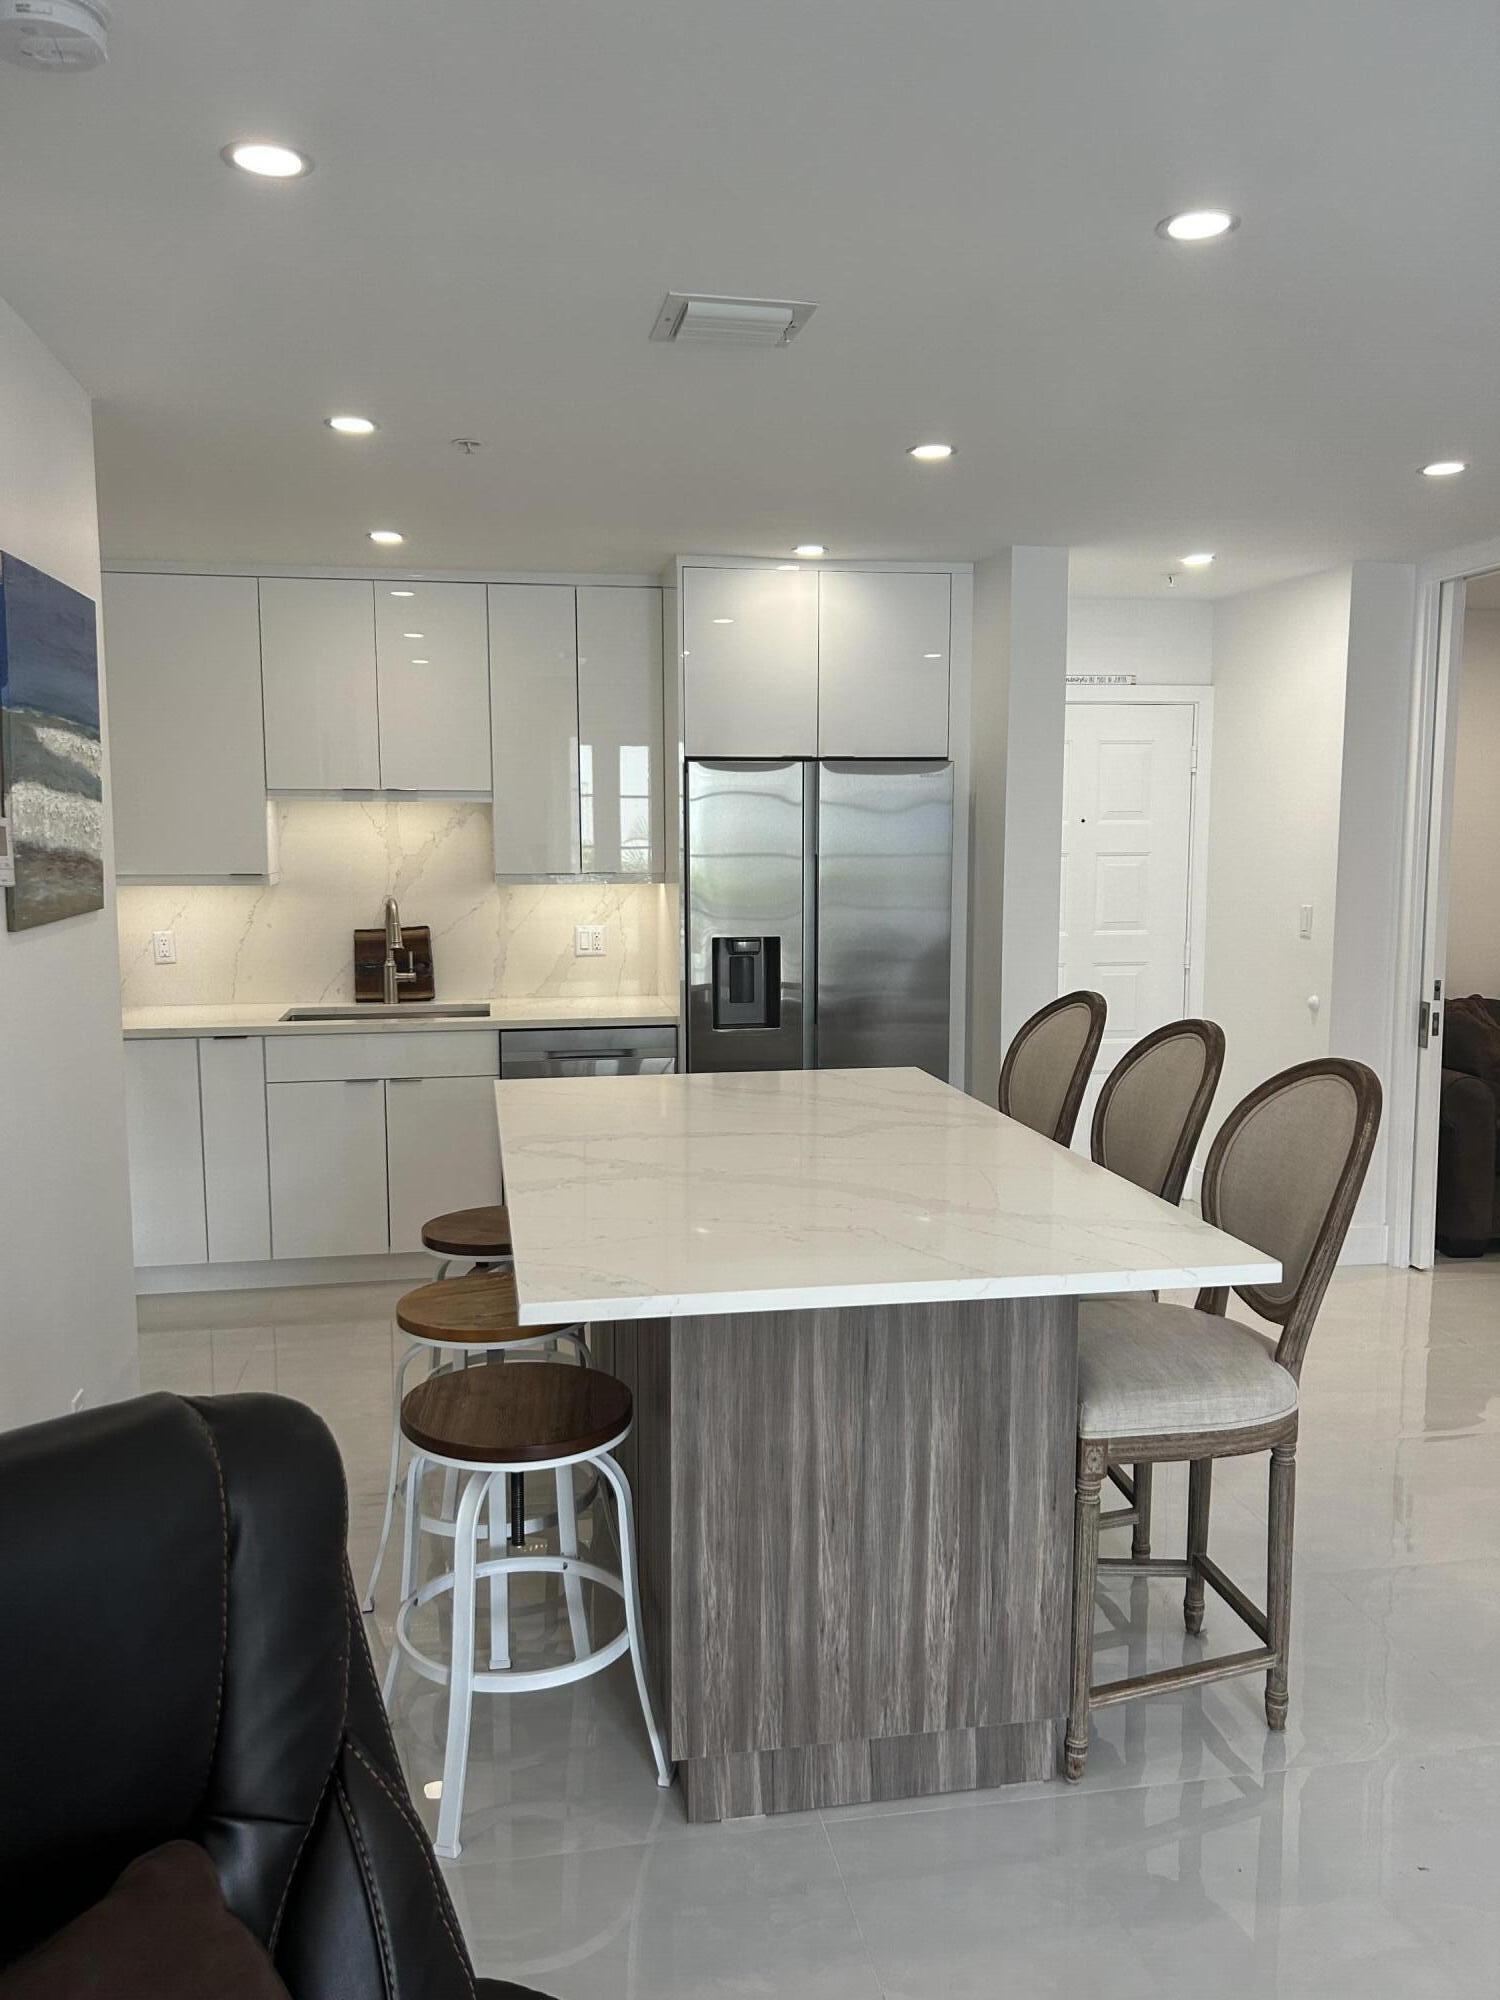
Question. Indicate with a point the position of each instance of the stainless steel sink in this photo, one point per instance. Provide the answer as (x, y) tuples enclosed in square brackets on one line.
[(411, 1010)]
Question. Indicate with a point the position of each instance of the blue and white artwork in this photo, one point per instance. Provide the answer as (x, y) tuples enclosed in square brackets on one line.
[(49, 747)]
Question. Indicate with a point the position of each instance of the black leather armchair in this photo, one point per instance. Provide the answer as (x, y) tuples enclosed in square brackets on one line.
[(183, 1657)]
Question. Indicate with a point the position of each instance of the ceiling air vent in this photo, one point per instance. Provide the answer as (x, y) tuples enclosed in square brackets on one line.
[(731, 322)]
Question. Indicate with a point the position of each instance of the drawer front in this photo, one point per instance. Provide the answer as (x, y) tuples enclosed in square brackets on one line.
[(390, 1052), (588, 1051)]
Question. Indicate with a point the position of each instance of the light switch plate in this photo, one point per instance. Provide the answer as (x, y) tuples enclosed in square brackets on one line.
[(164, 947), (588, 941)]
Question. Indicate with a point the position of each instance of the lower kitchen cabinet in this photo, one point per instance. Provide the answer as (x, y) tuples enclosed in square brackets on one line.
[(236, 1189), (442, 1149), (166, 1152), (327, 1157)]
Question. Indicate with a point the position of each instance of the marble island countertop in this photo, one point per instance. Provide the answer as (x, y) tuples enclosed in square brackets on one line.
[(639, 1197), (265, 1018)]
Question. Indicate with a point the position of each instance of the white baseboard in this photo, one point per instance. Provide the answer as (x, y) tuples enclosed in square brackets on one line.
[(1367, 1243), (412, 1266)]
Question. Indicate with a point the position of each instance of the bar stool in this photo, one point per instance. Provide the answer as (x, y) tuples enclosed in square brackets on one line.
[(476, 1315), (489, 1425), (478, 1236)]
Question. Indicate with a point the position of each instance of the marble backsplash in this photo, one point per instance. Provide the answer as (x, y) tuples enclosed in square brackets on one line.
[(340, 859)]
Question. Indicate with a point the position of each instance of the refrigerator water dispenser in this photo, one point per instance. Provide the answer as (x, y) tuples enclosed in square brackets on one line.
[(747, 982)]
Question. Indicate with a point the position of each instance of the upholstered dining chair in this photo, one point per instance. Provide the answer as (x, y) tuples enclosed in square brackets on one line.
[(1047, 1066), (1160, 1383), (1147, 1124)]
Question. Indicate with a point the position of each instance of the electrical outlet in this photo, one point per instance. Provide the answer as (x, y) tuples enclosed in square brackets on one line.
[(1305, 920), (588, 941), (164, 947)]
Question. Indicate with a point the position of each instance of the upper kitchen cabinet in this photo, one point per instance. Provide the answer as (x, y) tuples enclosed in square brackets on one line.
[(432, 678), (620, 730), (750, 662), (187, 754), (534, 728), (317, 641), (883, 645)]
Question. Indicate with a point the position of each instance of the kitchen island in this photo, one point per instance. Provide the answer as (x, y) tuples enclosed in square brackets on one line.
[(846, 1303)]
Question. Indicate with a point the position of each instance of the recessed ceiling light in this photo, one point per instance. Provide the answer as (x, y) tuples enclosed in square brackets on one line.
[(421, 663), (1445, 468), (411, 635), (387, 537), (809, 549), (355, 427), (723, 621), (1200, 559), (1198, 225), (932, 656), (930, 452), (268, 162), (403, 593)]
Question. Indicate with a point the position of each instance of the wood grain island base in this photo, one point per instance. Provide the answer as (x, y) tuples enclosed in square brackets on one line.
[(854, 1528)]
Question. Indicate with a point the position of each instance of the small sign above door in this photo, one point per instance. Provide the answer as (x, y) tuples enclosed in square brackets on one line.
[(1101, 680)]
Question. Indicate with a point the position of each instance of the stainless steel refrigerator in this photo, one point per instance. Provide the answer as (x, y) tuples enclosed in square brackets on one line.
[(819, 910)]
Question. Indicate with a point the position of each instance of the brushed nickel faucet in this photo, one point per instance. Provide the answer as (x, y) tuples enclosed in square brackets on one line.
[(394, 977)]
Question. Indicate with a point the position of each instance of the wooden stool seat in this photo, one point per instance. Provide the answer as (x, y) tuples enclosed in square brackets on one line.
[(540, 1411), (480, 1233), (477, 1310)]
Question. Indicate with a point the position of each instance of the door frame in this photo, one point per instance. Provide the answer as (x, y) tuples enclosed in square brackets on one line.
[(1431, 745), (1199, 697)]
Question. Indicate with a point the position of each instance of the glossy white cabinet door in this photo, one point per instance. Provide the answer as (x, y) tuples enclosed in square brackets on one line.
[(317, 657), (620, 730), (534, 727), (166, 1152), (750, 662), (443, 1145), (433, 673), (232, 1075), (186, 749), (883, 663), (327, 1169)]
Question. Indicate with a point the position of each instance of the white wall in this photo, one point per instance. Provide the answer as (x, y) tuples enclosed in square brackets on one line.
[(1280, 663), (1017, 709), (1159, 640), (67, 1305), (1474, 880)]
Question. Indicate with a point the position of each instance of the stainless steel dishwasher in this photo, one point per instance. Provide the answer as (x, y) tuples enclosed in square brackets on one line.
[(588, 1052)]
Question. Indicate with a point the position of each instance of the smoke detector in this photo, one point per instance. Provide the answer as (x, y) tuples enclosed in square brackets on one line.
[(718, 322), (56, 35)]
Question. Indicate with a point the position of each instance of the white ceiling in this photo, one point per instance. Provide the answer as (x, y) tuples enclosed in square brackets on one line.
[(505, 189)]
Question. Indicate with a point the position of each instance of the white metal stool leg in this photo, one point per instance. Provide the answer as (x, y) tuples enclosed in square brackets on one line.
[(632, 1595), (461, 1666), (498, 1508), (393, 1481), (410, 1541), (567, 1545)]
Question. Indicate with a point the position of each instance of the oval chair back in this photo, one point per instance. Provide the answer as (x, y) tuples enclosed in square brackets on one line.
[(1284, 1174), (1154, 1105), (1048, 1064)]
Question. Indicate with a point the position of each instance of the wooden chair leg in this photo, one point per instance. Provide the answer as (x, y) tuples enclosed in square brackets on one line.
[(1092, 1459), (1140, 1534), (1280, 1516), (1200, 1492)]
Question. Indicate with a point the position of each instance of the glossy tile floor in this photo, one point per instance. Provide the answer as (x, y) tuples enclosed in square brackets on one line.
[(1358, 1854)]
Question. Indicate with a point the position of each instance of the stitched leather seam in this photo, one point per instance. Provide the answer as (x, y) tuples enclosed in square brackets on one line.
[(372, 1890), (213, 1450), (357, 1624), (291, 1877), (414, 1825)]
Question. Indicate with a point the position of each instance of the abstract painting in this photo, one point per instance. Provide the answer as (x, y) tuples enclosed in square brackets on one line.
[(49, 747)]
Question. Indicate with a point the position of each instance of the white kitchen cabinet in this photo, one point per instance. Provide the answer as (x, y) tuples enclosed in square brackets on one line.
[(620, 730), (237, 1195), (166, 1152), (317, 641), (883, 644), (187, 747), (443, 1149), (433, 678), (534, 728), (327, 1152), (750, 662)]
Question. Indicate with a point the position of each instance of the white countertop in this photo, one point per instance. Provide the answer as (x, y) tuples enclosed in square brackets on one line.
[(264, 1018), (637, 1197)]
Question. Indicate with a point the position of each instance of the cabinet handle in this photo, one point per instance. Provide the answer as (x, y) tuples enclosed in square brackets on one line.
[(229, 1038), (406, 1079), (362, 1079)]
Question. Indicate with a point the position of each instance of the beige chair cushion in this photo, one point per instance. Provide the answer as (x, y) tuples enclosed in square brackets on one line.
[(1147, 1370)]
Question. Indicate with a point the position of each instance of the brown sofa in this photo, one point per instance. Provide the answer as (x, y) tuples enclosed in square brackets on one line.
[(1468, 1190)]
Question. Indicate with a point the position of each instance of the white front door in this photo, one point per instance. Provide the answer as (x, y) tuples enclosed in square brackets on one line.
[(1127, 869)]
